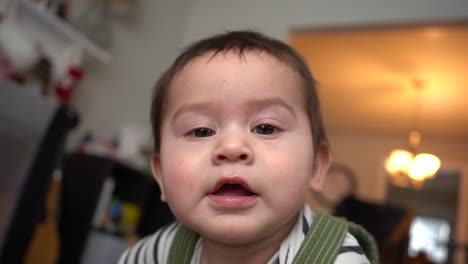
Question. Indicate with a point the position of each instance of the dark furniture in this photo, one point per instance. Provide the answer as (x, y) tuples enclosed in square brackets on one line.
[(82, 182)]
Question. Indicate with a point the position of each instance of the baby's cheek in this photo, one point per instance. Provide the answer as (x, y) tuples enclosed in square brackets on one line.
[(181, 192), (293, 177), (179, 179)]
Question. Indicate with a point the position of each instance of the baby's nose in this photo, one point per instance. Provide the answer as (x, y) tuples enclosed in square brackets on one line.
[(243, 156), (233, 148)]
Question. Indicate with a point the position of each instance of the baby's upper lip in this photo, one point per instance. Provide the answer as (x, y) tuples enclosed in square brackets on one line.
[(231, 180)]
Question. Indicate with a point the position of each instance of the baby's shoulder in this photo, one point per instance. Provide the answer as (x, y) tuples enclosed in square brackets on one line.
[(351, 252), (153, 248)]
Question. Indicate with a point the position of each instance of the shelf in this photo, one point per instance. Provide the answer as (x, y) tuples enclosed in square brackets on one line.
[(49, 24)]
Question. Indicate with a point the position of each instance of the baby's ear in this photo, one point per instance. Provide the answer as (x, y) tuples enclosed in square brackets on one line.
[(156, 169), (322, 161)]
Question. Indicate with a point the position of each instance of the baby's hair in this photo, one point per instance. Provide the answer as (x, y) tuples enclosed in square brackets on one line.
[(240, 42)]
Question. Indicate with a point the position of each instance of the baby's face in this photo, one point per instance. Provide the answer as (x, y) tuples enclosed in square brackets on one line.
[(236, 157)]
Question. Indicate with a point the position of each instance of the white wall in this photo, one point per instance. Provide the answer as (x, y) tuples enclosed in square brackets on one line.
[(277, 17), (118, 94)]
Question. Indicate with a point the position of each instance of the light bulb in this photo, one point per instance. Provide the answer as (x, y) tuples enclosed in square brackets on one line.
[(423, 166), (399, 160)]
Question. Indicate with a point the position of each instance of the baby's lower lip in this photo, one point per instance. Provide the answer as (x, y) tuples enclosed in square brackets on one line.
[(232, 201)]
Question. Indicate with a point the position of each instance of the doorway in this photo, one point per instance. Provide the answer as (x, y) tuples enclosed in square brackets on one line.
[(435, 208)]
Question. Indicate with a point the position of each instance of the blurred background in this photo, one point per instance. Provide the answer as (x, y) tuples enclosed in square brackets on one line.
[(76, 79)]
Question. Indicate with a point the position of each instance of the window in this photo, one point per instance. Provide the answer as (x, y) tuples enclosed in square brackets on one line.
[(429, 235)]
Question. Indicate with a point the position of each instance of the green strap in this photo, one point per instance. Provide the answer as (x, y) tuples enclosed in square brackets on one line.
[(323, 240), (321, 244), (366, 241), (183, 246)]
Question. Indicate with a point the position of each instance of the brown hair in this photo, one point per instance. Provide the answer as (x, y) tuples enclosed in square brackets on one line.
[(241, 41)]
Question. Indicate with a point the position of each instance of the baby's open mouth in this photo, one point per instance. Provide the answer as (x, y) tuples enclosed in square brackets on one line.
[(230, 189), (232, 193)]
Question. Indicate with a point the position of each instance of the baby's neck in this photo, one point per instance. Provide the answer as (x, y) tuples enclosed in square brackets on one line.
[(236, 255), (260, 251)]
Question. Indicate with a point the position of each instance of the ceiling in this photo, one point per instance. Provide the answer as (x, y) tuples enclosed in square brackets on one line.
[(365, 77)]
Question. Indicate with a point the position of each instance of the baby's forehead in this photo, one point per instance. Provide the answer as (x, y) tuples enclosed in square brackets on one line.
[(233, 56), (252, 73), (258, 60)]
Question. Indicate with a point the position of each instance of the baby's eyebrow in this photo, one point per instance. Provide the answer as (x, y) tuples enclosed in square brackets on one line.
[(205, 106), (253, 104), (273, 101)]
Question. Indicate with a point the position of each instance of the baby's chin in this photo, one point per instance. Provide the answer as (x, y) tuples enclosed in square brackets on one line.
[(234, 236), (233, 233)]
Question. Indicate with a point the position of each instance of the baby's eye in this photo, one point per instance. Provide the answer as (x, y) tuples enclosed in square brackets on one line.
[(265, 129), (202, 132)]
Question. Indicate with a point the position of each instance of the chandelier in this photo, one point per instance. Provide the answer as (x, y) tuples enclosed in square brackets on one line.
[(407, 167)]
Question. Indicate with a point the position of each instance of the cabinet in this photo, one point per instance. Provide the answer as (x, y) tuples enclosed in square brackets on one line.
[(53, 34), (37, 44)]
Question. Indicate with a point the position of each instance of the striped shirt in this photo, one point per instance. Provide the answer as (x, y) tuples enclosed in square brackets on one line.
[(155, 248)]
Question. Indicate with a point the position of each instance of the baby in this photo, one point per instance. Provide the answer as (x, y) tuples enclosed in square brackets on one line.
[(239, 141)]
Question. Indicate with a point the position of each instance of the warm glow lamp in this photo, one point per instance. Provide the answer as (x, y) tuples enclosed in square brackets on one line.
[(423, 166), (403, 163), (399, 161), (406, 167)]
